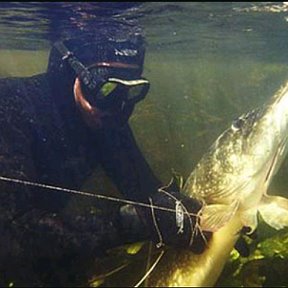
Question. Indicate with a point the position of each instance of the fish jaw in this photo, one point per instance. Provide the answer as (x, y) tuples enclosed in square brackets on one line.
[(239, 166)]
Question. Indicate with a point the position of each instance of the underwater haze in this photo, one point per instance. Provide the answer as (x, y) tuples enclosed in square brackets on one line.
[(208, 62)]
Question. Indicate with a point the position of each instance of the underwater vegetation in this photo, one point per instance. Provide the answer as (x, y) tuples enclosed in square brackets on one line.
[(266, 266)]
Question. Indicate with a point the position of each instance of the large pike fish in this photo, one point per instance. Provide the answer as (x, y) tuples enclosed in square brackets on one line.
[(231, 180)]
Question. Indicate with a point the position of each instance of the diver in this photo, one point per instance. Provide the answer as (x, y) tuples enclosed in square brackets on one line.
[(56, 128)]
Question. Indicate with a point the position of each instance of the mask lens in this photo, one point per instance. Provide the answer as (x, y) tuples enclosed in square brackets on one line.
[(113, 88), (136, 89), (135, 92), (107, 88)]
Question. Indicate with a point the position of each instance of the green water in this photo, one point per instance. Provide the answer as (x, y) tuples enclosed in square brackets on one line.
[(191, 101)]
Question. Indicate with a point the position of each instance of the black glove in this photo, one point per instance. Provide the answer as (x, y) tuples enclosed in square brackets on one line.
[(176, 223)]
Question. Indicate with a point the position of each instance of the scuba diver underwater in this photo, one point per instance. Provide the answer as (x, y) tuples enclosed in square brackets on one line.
[(56, 129)]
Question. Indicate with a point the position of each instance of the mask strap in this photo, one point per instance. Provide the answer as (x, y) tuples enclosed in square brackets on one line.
[(82, 72)]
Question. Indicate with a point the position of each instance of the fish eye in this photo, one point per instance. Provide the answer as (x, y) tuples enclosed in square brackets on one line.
[(237, 123)]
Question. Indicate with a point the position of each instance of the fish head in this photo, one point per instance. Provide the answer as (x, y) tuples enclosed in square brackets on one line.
[(240, 164)]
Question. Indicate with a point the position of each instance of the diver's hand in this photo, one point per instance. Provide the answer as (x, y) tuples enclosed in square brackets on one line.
[(172, 219)]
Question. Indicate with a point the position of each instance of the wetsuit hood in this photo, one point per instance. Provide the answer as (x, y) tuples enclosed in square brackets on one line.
[(108, 44)]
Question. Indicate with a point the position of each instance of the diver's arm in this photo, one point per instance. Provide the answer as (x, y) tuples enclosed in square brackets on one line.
[(125, 164), (64, 231), (25, 222), (77, 233)]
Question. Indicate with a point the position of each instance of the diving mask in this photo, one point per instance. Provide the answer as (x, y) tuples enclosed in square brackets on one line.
[(102, 91)]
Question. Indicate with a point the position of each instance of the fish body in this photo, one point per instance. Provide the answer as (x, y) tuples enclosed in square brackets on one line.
[(235, 173), (231, 180)]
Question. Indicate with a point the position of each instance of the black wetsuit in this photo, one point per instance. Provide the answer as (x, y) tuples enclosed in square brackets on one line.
[(43, 139)]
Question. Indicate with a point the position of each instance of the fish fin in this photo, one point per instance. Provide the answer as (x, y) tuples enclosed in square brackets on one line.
[(274, 211), (215, 216)]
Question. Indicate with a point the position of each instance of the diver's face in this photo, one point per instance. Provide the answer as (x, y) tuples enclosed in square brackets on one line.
[(113, 115), (109, 102)]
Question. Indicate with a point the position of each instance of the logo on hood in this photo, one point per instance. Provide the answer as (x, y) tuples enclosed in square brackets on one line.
[(126, 52)]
